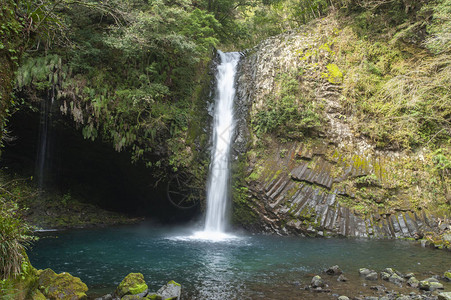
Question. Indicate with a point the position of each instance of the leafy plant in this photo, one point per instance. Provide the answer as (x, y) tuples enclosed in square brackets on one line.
[(15, 236)]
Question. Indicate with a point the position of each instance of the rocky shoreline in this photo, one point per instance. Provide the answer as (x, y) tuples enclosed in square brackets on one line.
[(387, 284), (333, 283)]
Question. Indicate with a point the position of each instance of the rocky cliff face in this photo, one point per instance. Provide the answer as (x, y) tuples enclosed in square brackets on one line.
[(332, 181)]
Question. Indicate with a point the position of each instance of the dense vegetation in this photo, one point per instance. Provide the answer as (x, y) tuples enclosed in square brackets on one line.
[(132, 74)]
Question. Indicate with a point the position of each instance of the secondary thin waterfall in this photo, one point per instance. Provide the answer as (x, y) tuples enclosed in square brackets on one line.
[(218, 184)]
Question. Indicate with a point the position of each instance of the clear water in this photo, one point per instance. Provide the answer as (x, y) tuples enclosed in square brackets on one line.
[(243, 267), (218, 194)]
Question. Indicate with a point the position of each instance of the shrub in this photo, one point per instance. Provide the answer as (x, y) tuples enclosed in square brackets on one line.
[(15, 236)]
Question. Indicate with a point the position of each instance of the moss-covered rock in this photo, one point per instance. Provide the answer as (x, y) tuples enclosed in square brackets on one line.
[(38, 295), (61, 286), (132, 284), (447, 276)]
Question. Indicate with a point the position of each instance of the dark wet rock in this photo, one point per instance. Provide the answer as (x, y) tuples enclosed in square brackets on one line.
[(371, 276), (396, 279), (317, 281), (334, 270), (364, 271), (444, 296), (132, 284), (172, 290), (342, 278), (413, 282)]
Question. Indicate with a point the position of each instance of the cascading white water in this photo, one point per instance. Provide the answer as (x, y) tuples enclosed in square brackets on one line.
[(218, 184)]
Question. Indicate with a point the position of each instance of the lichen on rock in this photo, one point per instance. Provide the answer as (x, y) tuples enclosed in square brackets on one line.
[(132, 284)]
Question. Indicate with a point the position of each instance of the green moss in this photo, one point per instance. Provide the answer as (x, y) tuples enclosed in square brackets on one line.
[(132, 284)]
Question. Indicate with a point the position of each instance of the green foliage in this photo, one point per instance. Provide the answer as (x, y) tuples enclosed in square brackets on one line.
[(439, 40), (15, 235), (289, 115)]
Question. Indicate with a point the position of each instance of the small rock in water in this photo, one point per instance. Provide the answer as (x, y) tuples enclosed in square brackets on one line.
[(171, 290), (385, 276), (409, 275), (447, 275), (427, 285), (317, 281), (364, 271), (389, 271), (343, 298), (371, 276), (342, 278), (396, 279), (334, 270), (413, 282)]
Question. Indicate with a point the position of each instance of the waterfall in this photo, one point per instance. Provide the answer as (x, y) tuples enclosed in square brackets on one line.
[(43, 153), (218, 193)]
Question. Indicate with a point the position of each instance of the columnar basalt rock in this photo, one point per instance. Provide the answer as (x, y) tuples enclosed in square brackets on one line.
[(336, 183)]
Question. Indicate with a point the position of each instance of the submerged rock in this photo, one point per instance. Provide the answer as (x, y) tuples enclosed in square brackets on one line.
[(342, 278), (171, 291), (61, 286), (132, 284)]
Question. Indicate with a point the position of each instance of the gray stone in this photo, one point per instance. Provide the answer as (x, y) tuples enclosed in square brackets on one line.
[(154, 296), (395, 278), (403, 297), (342, 278), (371, 276), (430, 285), (317, 281), (444, 296), (364, 271), (413, 282), (343, 298), (385, 276), (389, 271), (334, 270), (172, 290), (409, 275)]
